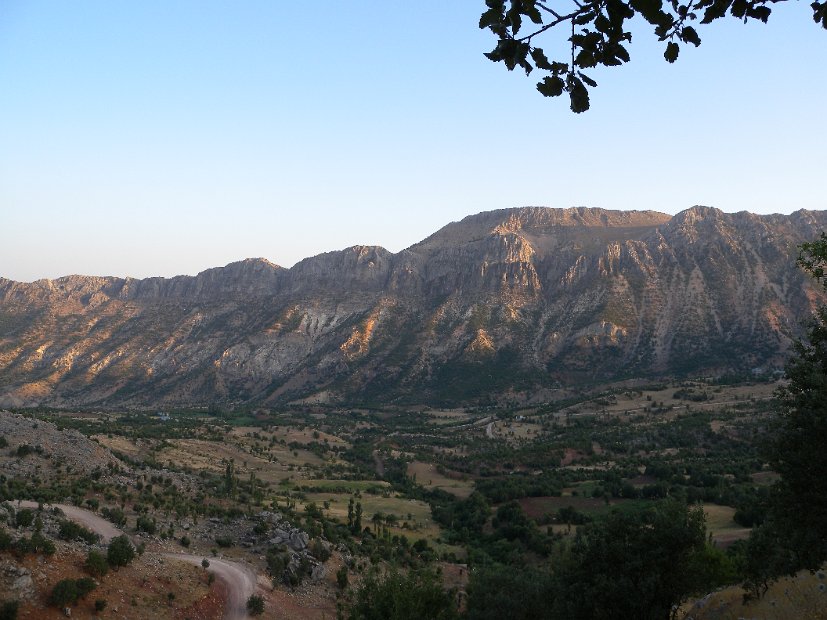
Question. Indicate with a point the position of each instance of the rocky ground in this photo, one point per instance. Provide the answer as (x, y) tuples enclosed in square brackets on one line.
[(167, 580)]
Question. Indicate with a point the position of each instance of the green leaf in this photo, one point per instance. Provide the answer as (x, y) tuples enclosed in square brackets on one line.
[(648, 8), (759, 12), (739, 8), (534, 14), (540, 59), (621, 53), (489, 18), (585, 59), (587, 79), (551, 86), (514, 17), (716, 10), (820, 13), (688, 35), (584, 18), (578, 94), (671, 53)]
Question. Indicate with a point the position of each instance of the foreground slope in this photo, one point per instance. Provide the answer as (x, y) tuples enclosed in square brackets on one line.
[(503, 301)]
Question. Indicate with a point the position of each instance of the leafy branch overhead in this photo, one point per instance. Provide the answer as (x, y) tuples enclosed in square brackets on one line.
[(599, 34)]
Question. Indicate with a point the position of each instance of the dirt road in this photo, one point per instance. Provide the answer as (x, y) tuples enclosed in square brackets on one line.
[(240, 580), (87, 519)]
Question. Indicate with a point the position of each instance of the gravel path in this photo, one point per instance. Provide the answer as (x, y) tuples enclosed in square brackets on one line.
[(97, 524), (240, 580)]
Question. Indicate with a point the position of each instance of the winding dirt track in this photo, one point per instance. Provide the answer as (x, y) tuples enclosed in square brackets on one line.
[(240, 580), (100, 526)]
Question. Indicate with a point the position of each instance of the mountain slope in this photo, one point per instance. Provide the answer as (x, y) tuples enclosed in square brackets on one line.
[(509, 300)]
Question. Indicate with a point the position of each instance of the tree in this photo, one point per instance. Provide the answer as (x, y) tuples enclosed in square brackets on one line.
[(499, 591), (794, 536), (357, 518), (600, 32), (255, 605), (632, 565), (96, 564), (419, 594), (120, 552), (68, 591)]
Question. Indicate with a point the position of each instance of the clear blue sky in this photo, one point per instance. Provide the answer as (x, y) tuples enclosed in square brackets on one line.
[(166, 137)]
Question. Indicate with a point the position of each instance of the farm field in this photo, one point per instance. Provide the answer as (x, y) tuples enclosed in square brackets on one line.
[(435, 486)]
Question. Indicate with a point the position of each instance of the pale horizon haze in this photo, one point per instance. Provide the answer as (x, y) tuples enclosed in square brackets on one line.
[(162, 138)]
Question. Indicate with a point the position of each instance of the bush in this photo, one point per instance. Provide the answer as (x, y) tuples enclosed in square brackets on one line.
[(120, 552), (402, 597), (319, 551), (40, 544), (145, 524), (8, 609), (5, 540), (341, 577), (115, 515), (70, 530), (85, 585), (96, 564), (185, 541), (24, 450), (255, 605), (24, 517), (100, 605), (64, 593)]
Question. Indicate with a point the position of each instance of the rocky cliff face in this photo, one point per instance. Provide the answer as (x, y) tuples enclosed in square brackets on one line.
[(508, 300)]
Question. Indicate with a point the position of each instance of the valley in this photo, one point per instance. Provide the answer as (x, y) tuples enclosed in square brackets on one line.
[(276, 491)]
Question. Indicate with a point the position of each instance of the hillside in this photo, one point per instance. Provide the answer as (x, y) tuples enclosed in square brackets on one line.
[(509, 301)]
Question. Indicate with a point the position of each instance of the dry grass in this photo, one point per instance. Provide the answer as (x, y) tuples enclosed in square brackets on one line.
[(421, 525), (720, 525), (212, 456), (803, 597), (428, 476)]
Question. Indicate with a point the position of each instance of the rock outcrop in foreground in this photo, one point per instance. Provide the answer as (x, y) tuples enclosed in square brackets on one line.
[(503, 301)]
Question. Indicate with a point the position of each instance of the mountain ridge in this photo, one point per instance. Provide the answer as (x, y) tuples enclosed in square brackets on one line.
[(527, 298)]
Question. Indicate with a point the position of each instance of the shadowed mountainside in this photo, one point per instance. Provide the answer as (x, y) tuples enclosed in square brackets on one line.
[(504, 301)]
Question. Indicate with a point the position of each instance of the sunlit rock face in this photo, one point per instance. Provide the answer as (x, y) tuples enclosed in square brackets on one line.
[(510, 301)]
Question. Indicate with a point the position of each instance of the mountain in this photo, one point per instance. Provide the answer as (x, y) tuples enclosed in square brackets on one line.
[(510, 301)]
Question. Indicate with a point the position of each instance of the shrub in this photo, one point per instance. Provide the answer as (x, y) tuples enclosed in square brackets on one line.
[(100, 605), (40, 544), (115, 515), (96, 564), (120, 552), (255, 605), (24, 517), (319, 550), (24, 450), (70, 530), (64, 593), (224, 541), (341, 577), (185, 541), (145, 524), (85, 585), (5, 540)]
